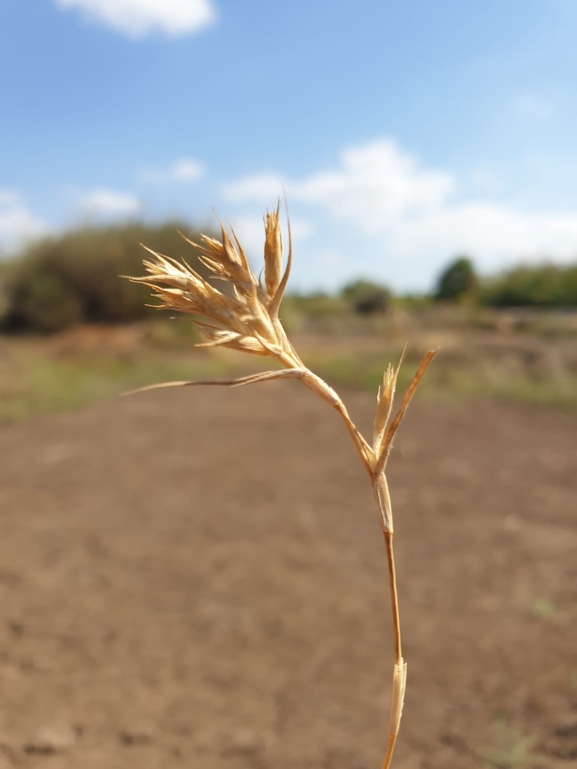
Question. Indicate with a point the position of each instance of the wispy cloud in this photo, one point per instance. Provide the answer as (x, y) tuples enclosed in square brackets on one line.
[(412, 213), (9, 197), (108, 203), (532, 107), (375, 185), (138, 18), (262, 188), (187, 170), (494, 234), (17, 223), (486, 180)]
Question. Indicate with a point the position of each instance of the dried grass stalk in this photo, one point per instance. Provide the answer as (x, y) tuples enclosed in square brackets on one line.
[(245, 317)]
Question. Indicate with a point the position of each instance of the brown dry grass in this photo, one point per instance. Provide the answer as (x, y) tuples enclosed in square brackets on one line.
[(244, 316)]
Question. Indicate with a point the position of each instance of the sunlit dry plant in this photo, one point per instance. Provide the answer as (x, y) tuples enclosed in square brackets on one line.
[(245, 316)]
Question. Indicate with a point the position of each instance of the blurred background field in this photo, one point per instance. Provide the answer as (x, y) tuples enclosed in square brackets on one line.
[(196, 577), (73, 332), (208, 557)]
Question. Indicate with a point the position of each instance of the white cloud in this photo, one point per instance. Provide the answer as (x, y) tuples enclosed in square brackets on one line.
[(532, 107), (263, 188), (492, 233), (410, 217), (330, 259), (138, 18), (187, 169), (17, 223), (183, 170), (375, 185), (109, 203)]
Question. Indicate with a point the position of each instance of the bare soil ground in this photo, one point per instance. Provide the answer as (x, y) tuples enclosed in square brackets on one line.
[(197, 578)]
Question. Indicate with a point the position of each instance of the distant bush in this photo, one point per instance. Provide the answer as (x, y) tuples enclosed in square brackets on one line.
[(317, 305), (42, 302), (366, 297), (61, 281), (457, 281), (545, 285)]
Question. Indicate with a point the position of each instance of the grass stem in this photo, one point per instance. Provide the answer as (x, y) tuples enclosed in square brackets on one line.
[(246, 319)]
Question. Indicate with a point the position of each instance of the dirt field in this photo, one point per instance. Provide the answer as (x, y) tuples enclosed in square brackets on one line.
[(196, 578)]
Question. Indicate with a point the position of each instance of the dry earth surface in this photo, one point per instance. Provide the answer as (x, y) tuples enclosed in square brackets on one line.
[(196, 578)]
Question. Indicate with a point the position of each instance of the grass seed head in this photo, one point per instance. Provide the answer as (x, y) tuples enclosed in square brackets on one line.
[(244, 315)]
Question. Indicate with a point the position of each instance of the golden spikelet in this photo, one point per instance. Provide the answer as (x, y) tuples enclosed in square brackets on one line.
[(272, 253), (244, 316)]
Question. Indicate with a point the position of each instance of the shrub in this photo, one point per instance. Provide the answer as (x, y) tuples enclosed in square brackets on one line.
[(62, 280), (366, 297), (43, 302), (545, 285)]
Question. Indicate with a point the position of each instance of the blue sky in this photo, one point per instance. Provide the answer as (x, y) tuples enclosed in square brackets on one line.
[(403, 133)]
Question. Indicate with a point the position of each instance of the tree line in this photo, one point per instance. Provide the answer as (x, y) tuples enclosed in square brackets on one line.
[(541, 285), (73, 278)]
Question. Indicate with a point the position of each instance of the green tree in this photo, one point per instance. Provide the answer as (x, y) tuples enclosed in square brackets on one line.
[(457, 280)]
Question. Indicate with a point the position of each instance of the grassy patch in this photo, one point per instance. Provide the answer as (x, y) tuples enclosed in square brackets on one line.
[(46, 375), (513, 750), (34, 383), (448, 379)]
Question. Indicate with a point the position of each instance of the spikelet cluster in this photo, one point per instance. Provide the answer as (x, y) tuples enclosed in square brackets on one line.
[(244, 314)]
